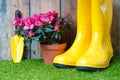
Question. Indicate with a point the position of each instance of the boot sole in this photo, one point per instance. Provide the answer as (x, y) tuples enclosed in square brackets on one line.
[(84, 68), (62, 66)]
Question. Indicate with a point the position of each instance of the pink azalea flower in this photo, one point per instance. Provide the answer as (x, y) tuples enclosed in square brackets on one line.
[(26, 34), (31, 34), (52, 16), (53, 13), (35, 16), (29, 23), (39, 23), (28, 27), (18, 27), (65, 23), (21, 22), (57, 25), (65, 15), (16, 21), (44, 17)]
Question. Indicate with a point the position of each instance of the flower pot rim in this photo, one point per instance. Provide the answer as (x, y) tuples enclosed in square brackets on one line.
[(55, 43), (53, 46)]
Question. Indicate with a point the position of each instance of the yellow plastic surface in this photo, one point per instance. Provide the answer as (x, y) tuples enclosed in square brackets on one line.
[(83, 37), (17, 46), (100, 51), (92, 46)]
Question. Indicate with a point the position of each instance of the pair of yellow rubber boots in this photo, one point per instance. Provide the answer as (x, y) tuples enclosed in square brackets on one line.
[(92, 49)]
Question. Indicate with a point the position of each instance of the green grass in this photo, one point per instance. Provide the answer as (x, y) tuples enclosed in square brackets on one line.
[(37, 70)]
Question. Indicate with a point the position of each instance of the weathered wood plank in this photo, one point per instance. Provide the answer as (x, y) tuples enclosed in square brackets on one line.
[(41, 6), (4, 30), (36, 51), (38, 6), (69, 7), (7, 13), (115, 30)]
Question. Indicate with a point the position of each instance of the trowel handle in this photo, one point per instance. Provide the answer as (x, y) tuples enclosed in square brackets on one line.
[(18, 14)]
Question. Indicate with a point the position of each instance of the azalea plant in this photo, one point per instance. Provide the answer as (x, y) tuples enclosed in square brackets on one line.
[(48, 28)]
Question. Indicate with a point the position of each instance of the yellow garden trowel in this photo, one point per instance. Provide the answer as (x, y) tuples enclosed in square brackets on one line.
[(17, 47)]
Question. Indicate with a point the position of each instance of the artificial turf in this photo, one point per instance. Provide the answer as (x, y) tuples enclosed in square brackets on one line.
[(37, 70)]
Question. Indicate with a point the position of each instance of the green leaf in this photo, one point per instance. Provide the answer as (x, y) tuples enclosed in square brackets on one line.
[(27, 43), (17, 31), (38, 31), (66, 20), (48, 30), (50, 26), (22, 32), (59, 36), (42, 32), (56, 36), (26, 38), (35, 38), (53, 35), (44, 37)]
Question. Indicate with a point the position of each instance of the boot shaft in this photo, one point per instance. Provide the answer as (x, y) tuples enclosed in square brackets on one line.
[(84, 14), (101, 14)]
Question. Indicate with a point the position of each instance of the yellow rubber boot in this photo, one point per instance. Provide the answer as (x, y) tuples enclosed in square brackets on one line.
[(83, 37), (100, 51), (17, 46)]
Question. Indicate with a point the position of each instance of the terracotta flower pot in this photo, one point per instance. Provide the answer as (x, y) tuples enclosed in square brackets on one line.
[(50, 51)]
